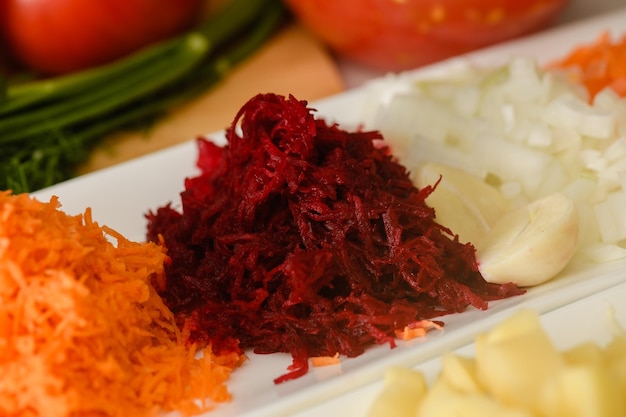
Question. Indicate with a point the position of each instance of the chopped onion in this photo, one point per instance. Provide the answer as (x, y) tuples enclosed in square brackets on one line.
[(527, 131)]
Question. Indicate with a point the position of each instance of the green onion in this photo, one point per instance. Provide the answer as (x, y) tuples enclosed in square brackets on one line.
[(48, 127)]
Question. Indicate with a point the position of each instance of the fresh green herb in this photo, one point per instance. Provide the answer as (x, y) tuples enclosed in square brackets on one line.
[(49, 126)]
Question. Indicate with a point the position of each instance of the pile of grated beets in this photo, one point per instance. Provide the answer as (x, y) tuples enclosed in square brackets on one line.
[(300, 237)]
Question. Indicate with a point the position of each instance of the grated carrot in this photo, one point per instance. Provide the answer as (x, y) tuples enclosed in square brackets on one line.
[(319, 361), (597, 65), (408, 334), (417, 329), (83, 331)]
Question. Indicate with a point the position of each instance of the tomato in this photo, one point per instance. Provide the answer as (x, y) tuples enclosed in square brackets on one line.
[(61, 36), (403, 34)]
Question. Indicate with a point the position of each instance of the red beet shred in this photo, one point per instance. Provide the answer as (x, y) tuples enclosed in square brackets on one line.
[(300, 237)]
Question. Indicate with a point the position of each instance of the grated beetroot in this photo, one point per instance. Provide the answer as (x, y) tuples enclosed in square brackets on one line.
[(300, 237)]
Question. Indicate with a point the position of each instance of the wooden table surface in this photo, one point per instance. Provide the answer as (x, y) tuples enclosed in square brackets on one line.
[(292, 62)]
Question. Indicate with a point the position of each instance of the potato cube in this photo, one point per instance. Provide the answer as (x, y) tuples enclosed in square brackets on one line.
[(444, 401), (588, 353), (581, 391), (460, 373), (402, 391), (514, 359)]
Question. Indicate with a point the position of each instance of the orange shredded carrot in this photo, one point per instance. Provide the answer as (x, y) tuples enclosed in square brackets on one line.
[(318, 361), (83, 331), (416, 329), (408, 334), (597, 65)]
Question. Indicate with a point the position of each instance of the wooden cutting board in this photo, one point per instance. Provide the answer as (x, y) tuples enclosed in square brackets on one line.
[(292, 62)]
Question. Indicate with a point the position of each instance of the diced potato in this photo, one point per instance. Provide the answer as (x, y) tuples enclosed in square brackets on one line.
[(615, 353), (517, 372), (444, 401), (588, 353), (460, 373), (519, 323), (581, 391), (403, 390), (617, 366), (515, 358), (616, 349)]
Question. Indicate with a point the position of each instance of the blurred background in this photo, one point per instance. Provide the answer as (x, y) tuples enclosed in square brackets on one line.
[(84, 85), (354, 74)]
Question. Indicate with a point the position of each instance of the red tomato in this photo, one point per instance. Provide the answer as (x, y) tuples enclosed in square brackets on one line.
[(403, 34), (60, 36)]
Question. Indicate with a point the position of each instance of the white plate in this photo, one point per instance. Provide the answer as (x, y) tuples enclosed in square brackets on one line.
[(120, 197)]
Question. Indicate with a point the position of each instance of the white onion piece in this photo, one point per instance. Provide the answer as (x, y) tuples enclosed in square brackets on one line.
[(570, 111)]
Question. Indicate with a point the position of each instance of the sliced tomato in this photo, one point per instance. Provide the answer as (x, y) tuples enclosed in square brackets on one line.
[(404, 34)]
